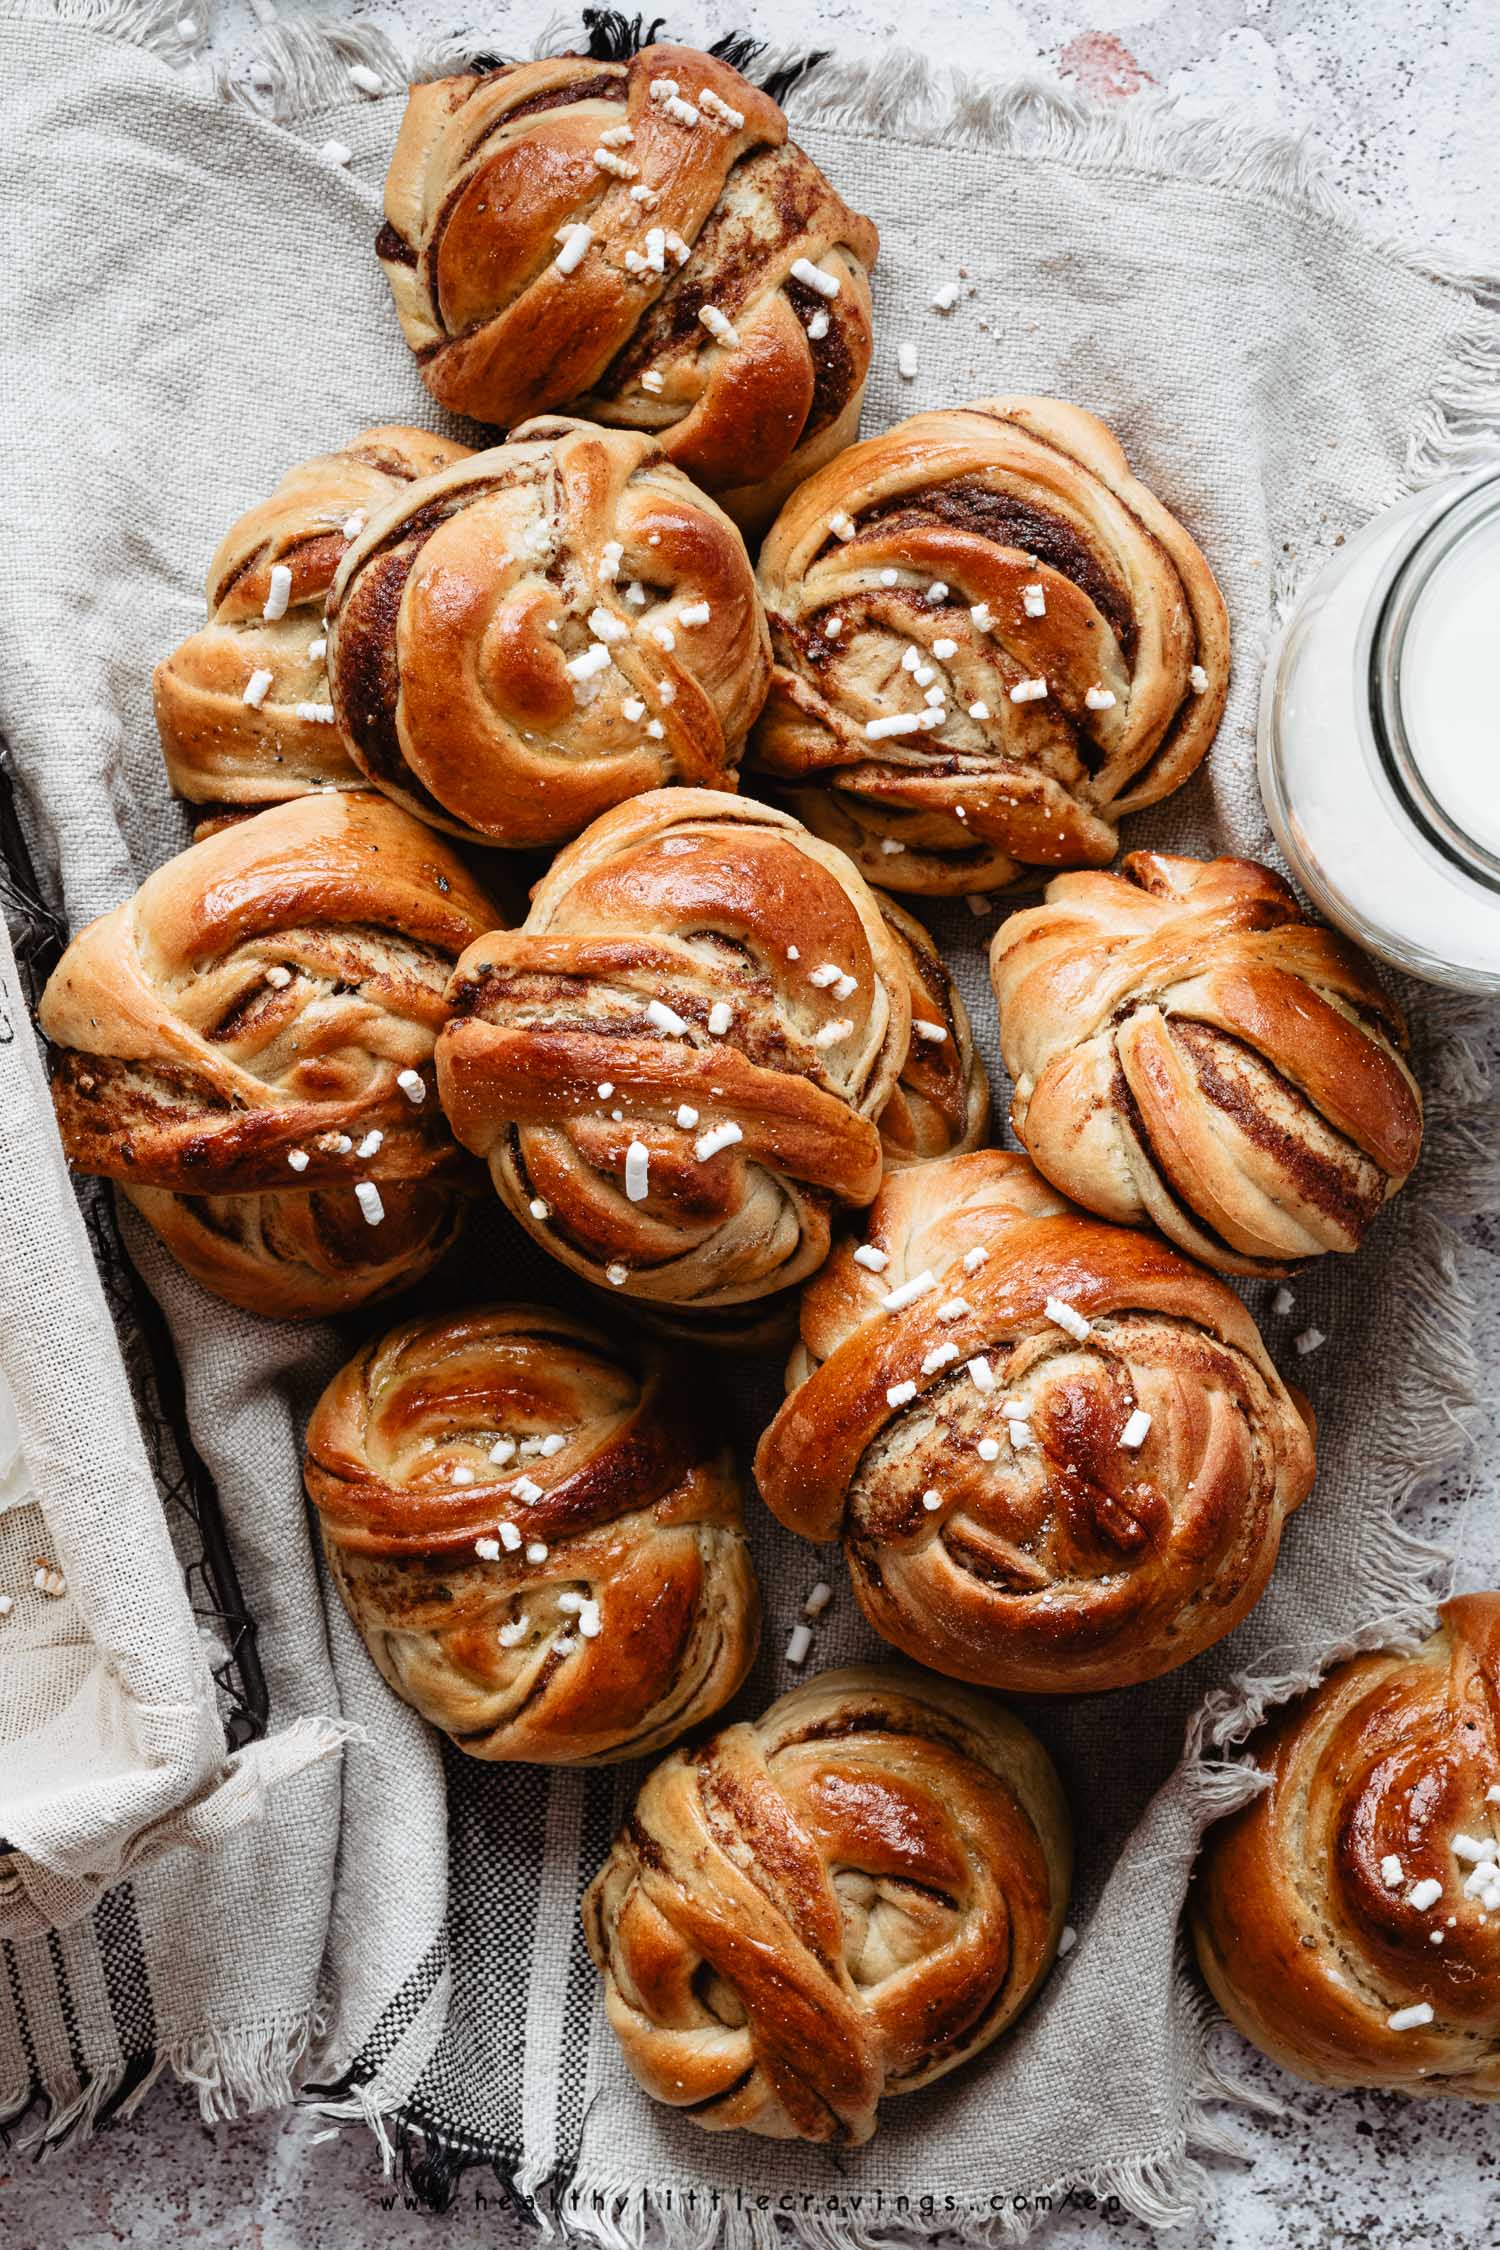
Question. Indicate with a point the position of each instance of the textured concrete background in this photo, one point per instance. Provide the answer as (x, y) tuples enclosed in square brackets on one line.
[(1399, 93)]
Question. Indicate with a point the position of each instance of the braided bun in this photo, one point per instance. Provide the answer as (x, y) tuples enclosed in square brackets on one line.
[(537, 1540), (673, 1070), (991, 641), (833, 1905), (556, 233), (542, 631), (1057, 1454), (1189, 1048), (261, 1016)]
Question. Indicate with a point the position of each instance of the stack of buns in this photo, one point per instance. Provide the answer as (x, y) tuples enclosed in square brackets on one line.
[(728, 1085)]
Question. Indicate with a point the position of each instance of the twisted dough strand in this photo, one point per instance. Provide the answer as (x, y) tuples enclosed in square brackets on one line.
[(689, 211), (667, 965), (840, 1902), (1313, 1909), (1062, 1560), (219, 749), (455, 618), (995, 580), (1189, 1048), (621, 1606)]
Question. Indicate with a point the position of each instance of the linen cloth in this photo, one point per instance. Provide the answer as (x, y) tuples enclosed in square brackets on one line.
[(194, 305)]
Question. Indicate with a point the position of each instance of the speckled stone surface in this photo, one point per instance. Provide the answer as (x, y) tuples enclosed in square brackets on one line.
[(1400, 95)]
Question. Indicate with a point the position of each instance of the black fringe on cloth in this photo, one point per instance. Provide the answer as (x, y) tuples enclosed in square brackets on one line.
[(614, 37), (430, 2164)]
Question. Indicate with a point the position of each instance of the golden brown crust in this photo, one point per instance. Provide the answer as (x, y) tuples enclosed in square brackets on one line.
[(259, 998), (1378, 1772), (686, 903), (219, 749), (289, 1256), (455, 616), (488, 173), (839, 1902), (632, 1525), (1190, 1048), (1067, 1563), (984, 502)]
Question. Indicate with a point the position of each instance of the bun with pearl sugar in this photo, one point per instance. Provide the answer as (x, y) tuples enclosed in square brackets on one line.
[(542, 631), (641, 241), (535, 1537), (1347, 1919), (675, 1068), (242, 706), (835, 1904), (991, 642), (1056, 1453), (260, 1016), (1189, 1048)]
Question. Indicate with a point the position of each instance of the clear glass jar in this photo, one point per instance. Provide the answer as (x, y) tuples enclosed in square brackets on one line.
[(1380, 735)]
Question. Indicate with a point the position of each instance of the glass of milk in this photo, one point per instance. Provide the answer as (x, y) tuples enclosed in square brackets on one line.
[(1380, 735)]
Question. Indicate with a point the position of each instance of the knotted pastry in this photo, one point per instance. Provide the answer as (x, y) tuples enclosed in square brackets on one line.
[(242, 707), (1189, 1048), (991, 641), (840, 1902), (289, 1256), (537, 1540), (261, 1015), (639, 240), (1348, 1919), (543, 630), (673, 1070), (1057, 1454)]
